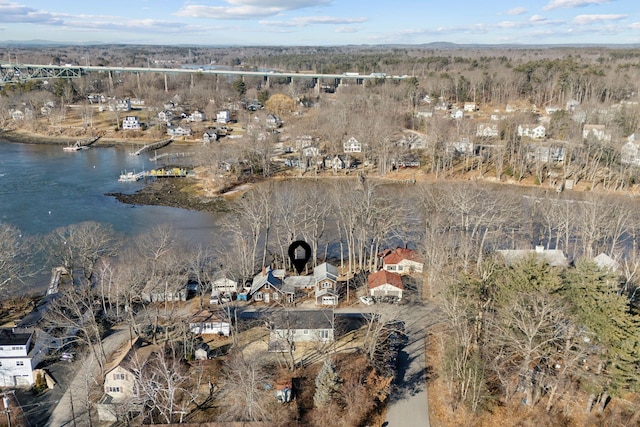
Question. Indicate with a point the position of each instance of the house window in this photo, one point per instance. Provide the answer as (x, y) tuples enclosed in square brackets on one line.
[(326, 285), (324, 334), (20, 363), (16, 348), (119, 377), (259, 296), (113, 389), (276, 296), (266, 286), (391, 267), (305, 332), (0, 362)]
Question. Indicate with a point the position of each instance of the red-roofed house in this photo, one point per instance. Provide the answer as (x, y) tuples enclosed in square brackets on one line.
[(402, 261), (385, 284)]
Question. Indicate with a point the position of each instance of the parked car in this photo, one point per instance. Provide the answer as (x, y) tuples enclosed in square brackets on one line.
[(367, 300), (68, 357)]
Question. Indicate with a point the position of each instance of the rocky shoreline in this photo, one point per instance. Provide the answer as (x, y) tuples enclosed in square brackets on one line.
[(172, 192)]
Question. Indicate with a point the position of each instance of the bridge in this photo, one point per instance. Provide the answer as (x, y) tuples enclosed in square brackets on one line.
[(18, 73)]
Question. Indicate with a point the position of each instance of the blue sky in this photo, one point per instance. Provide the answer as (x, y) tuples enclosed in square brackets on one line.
[(321, 22)]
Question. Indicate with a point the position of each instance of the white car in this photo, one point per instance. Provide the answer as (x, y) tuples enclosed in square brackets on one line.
[(366, 300)]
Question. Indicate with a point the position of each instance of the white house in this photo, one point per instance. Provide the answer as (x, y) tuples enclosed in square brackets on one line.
[(630, 153), (326, 284), (458, 114), (196, 116), (178, 131), (598, 132), (120, 105), (224, 285), (209, 322), (532, 131), (131, 122), (16, 368), (352, 145), (210, 135), (121, 382), (298, 326), (384, 283), (402, 261), (487, 130), (223, 116), (470, 107), (553, 257), (165, 116), (272, 121)]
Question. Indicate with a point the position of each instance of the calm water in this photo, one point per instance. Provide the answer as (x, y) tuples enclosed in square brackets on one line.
[(43, 187)]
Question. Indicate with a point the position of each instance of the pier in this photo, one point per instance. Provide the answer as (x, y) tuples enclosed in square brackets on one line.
[(153, 146), (156, 173), (170, 156)]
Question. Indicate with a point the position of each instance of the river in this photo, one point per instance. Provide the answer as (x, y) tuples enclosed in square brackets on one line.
[(43, 187)]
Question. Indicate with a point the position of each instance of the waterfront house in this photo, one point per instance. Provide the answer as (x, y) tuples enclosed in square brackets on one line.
[(178, 131), (132, 123), (16, 359), (401, 261), (384, 283)]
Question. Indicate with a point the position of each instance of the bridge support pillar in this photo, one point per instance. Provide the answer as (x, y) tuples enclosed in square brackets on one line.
[(316, 86), (166, 83), (267, 82)]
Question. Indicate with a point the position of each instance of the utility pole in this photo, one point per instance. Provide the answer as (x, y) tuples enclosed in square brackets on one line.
[(7, 408)]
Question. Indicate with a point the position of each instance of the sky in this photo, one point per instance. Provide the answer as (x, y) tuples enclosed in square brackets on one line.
[(321, 22)]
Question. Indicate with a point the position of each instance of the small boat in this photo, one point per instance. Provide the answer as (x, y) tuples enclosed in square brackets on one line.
[(131, 177), (75, 147)]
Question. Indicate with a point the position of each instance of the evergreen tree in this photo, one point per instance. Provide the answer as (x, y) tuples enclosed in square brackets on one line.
[(327, 384), (599, 307)]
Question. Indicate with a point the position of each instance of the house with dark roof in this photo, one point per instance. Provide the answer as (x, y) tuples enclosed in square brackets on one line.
[(384, 283), (296, 326), (268, 286), (16, 359)]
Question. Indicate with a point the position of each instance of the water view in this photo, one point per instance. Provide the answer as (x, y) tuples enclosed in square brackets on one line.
[(43, 187)]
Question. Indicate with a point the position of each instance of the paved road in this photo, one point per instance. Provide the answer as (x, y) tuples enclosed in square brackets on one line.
[(86, 377), (408, 403)]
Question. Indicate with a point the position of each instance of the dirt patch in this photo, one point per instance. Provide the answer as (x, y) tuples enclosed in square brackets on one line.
[(174, 192)]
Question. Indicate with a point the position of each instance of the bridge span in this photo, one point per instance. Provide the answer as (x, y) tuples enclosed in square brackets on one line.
[(16, 73)]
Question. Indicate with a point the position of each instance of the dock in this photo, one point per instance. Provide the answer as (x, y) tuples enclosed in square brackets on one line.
[(156, 173), (153, 146), (171, 156), (56, 273)]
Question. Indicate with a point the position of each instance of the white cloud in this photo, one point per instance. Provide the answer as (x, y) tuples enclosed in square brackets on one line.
[(247, 9), (590, 19), (555, 4), (517, 11), (15, 13), (312, 20)]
